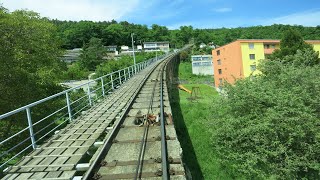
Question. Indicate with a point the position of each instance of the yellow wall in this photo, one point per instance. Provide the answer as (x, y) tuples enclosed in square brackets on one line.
[(258, 50), (316, 47)]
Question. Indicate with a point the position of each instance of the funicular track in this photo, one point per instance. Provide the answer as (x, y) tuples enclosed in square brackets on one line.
[(145, 146), (131, 133)]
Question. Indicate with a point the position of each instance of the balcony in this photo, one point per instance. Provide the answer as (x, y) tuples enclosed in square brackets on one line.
[(268, 51)]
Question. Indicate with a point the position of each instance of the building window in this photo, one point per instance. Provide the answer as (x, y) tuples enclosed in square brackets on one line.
[(196, 64), (206, 63), (220, 80), (196, 58), (273, 46), (251, 45), (219, 62), (218, 52), (253, 67), (252, 56), (267, 46), (220, 71)]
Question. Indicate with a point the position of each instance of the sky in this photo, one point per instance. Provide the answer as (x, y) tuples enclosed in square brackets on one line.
[(176, 13)]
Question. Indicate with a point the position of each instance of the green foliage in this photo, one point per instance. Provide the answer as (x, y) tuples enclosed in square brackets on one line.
[(186, 76), (92, 54), (268, 127), (29, 65), (290, 43), (123, 62), (190, 120), (76, 72), (29, 71), (201, 51), (75, 34)]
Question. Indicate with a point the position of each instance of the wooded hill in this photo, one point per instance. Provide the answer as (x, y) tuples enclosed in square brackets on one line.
[(75, 34)]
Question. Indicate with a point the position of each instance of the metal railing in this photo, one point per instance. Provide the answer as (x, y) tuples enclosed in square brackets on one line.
[(39, 120)]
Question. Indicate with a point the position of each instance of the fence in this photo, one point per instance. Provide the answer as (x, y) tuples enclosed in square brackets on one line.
[(32, 124)]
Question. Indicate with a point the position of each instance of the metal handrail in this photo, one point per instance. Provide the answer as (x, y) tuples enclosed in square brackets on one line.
[(67, 111), (60, 93)]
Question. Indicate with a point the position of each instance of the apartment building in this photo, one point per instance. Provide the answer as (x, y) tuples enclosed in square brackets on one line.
[(202, 64), (240, 58), (156, 46)]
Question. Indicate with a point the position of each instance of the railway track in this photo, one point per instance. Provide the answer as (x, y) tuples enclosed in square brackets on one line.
[(128, 135), (145, 144)]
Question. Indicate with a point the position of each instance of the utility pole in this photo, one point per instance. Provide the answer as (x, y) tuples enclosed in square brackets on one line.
[(134, 57)]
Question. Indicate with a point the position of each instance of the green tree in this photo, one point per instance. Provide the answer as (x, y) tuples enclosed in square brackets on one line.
[(92, 54), (76, 72), (29, 59), (291, 41), (29, 71), (185, 34), (267, 127), (114, 33), (159, 33)]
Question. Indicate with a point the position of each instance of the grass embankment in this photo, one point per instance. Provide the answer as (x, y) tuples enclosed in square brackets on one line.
[(190, 120)]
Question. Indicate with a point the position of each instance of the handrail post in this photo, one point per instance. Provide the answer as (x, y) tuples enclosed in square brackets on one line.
[(33, 141), (89, 95), (129, 72), (120, 76), (69, 107), (111, 79), (124, 73), (102, 87)]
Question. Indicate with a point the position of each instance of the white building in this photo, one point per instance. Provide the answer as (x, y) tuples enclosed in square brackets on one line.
[(71, 55), (124, 48), (202, 45), (156, 46), (202, 65), (111, 48)]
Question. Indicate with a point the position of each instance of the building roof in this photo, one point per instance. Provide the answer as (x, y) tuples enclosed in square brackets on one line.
[(205, 55), (259, 40), (313, 41), (265, 41), (163, 42)]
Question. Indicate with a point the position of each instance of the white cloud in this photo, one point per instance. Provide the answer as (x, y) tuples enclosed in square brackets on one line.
[(95, 10), (308, 18), (222, 10)]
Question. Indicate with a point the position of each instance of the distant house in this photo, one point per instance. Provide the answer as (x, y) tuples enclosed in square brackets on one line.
[(124, 48), (156, 46), (139, 47), (212, 45), (202, 45), (202, 65), (111, 48), (72, 55)]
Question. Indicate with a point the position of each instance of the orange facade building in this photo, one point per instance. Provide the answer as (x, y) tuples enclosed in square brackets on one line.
[(240, 58)]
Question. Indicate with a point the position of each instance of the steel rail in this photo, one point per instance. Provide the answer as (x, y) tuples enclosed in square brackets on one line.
[(145, 134), (164, 152), (114, 131)]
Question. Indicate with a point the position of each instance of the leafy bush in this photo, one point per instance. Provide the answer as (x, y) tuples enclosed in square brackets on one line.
[(268, 127)]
